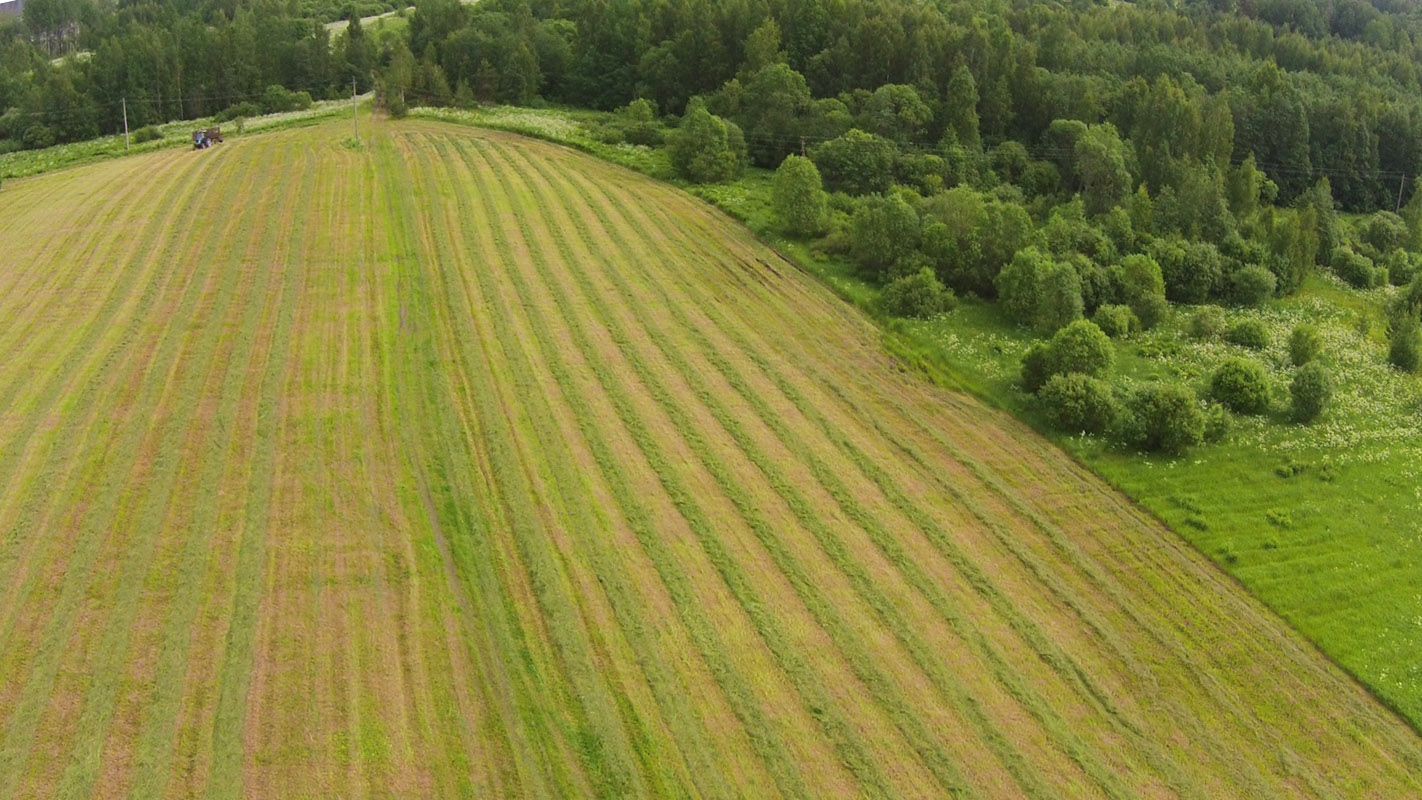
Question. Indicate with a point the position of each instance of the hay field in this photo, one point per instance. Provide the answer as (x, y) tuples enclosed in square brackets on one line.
[(464, 465)]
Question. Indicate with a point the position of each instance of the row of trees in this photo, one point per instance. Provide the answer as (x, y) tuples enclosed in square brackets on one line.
[(1194, 89), (69, 69)]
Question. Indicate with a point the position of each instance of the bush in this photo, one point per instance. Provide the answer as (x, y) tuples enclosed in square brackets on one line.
[(920, 295), (1078, 403), (1355, 268), (1402, 267), (148, 133), (1249, 333), (1311, 390), (1383, 232), (1207, 323), (1252, 285), (706, 148), (277, 99), (857, 162), (1143, 289), (1405, 349), (1059, 302), (1115, 320), (1305, 344), (1081, 347), (244, 109), (1242, 386), (1036, 367), (799, 197), (882, 231), (1165, 418)]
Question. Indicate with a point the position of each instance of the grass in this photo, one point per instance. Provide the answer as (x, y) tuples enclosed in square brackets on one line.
[(460, 464), (1317, 520)]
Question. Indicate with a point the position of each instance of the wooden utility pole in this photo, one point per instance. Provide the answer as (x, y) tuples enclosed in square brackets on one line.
[(125, 124), (1400, 183), (355, 109)]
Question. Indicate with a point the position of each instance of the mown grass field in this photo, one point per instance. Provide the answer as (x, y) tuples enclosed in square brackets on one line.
[(464, 465)]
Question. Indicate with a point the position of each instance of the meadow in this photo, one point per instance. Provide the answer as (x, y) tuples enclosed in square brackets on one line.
[(451, 463)]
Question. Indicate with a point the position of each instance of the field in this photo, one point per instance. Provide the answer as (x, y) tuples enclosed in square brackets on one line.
[(458, 464)]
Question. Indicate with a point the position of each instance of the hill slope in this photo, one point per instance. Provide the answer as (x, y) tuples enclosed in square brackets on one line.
[(467, 465)]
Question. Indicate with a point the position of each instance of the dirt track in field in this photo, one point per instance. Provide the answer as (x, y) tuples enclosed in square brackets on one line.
[(469, 466)]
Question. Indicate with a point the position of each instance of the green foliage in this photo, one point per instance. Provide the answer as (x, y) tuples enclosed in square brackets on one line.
[(1311, 391), (1143, 289), (856, 162), (277, 99), (1382, 232), (1036, 367), (1207, 323), (1101, 164), (971, 237), (1249, 333), (148, 133), (1019, 285), (1082, 347), (1354, 268), (1193, 271), (919, 295), (1059, 298), (799, 197), (883, 230), (960, 109), (896, 112), (1305, 344), (1242, 386), (1252, 285), (1077, 403), (1405, 344), (1115, 320), (1164, 417), (706, 148)]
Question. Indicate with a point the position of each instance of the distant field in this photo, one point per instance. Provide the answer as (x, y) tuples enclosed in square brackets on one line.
[(464, 465)]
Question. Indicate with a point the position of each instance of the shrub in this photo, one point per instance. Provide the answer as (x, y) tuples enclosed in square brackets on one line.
[(1115, 320), (856, 162), (148, 133), (1143, 289), (1249, 333), (1059, 301), (1036, 366), (1165, 418), (1019, 284), (1383, 232), (277, 99), (1402, 267), (1355, 268), (1078, 403), (244, 109), (799, 197), (706, 148), (1305, 344), (1242, 386), (882, 231), (1207, 323), (1081, 347), (1252, 285), (1311, 390), (1405, 349), (919, 295)]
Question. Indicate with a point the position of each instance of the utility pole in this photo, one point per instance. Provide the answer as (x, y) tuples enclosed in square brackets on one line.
[(125, 124), (1400, 183), (355, 109)]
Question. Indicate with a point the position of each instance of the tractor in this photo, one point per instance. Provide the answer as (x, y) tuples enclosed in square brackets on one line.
[(206, 138)]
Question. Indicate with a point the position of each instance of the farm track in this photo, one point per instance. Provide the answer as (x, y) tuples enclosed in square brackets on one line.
[(469, 466)]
